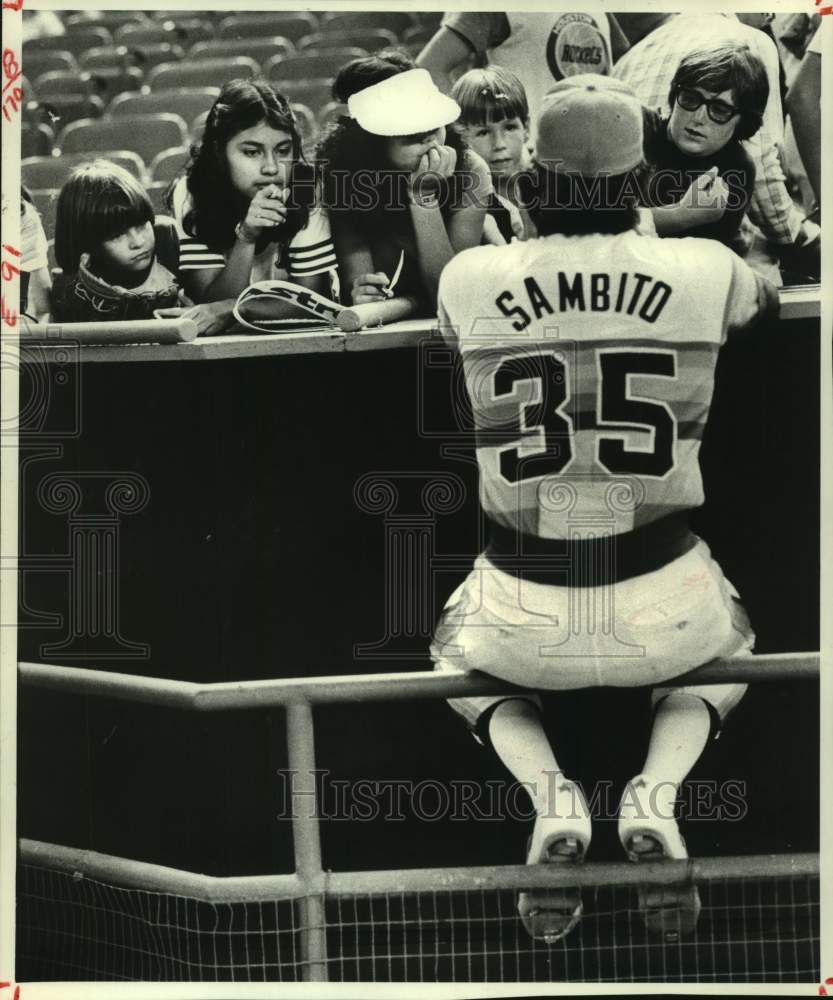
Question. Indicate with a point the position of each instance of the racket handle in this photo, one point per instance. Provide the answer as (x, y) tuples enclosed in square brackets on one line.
[(374, 313)]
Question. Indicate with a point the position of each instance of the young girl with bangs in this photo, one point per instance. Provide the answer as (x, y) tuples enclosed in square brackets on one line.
[(404, 193), (246, 209), (118, 261)]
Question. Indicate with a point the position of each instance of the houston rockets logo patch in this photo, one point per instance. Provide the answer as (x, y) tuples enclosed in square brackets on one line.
[(576, 45)]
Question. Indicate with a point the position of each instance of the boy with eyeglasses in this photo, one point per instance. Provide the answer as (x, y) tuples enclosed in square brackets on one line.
[(701, 178)]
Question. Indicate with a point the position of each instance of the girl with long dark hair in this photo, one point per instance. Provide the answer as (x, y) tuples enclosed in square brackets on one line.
[(246, 208), (400, 189)]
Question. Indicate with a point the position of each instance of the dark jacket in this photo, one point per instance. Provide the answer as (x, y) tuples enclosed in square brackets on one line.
[(671, 172), (83, 297)]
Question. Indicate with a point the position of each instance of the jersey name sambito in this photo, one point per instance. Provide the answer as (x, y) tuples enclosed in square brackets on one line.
[(633, 294)]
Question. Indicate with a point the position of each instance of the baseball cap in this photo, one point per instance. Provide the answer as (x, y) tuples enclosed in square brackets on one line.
[(404, 104), (590, 124)]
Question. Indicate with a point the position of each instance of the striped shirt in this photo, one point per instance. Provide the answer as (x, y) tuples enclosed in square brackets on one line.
[(309, 252), (649, 67), (589, 362)]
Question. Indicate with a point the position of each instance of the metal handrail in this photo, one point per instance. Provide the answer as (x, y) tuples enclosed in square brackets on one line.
[(266, 888), (310, 884), (225, 696)]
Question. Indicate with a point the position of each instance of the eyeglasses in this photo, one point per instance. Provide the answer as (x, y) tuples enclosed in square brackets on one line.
[(719, 111)]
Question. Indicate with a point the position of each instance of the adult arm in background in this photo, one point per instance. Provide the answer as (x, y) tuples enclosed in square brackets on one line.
[(636, 26), (772, 207), (619, 43), (441, 55), (472, 33), (36, 281), (40, 285), (38, 304), (804, 109), (460, 36)]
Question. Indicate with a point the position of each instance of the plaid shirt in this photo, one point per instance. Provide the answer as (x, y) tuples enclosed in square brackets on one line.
[(649, 68)]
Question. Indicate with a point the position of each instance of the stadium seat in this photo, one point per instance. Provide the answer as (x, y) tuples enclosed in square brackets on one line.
[(75, 42), (190, 29), (169, 164), (370, 40), (58, 110), (109, 19), (322, 66), (157, 192), (38, 63), (44, 201), (144, 135), (355, 20), (104, 56), (36, 140), (259, 49), (203, 73), (314, 93), (107, 81), (62, 82), (42, 172), (148, 33), (262, 25), (145, 57), (188, 103)]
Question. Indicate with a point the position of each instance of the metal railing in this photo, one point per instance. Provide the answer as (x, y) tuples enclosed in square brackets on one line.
[(310, 885)]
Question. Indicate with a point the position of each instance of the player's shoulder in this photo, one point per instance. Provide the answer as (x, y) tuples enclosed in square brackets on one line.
[(476, 265), (692, 254)]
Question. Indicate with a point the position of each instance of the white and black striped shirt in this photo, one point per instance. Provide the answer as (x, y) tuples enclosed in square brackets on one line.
[(310, 251)]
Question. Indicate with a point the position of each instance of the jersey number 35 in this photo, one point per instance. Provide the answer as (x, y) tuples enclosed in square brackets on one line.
[(544, 435)]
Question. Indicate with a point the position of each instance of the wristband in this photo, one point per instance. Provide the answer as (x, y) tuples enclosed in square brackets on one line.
[(429, 200), (240, 233)]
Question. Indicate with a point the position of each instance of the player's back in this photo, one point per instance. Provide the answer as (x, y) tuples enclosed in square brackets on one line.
[(589, 361)]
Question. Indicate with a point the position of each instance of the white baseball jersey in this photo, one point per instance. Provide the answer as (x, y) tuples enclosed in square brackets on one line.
[(589, 362)]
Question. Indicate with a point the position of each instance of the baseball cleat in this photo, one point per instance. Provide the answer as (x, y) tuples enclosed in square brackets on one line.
[(548, 915), (649, 832)]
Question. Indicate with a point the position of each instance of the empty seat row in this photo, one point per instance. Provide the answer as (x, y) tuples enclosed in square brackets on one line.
[(84, 34), (115, 74), (151, 53), (40, 173), (145, 135), (155, 146)]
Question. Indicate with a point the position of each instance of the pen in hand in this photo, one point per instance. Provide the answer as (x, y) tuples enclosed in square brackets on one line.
[(388, 290)]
